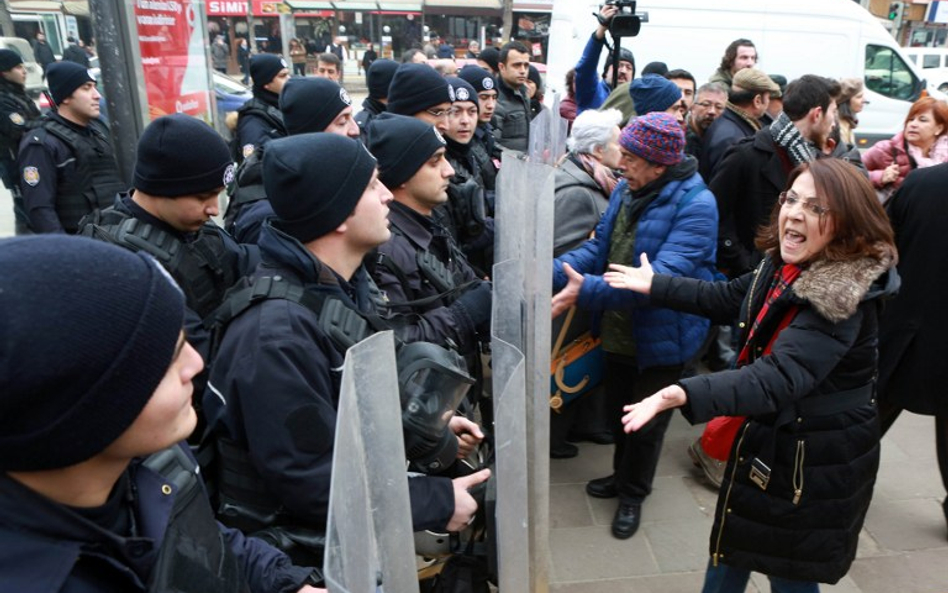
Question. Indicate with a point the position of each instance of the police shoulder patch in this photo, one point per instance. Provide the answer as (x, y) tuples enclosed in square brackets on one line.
[(17, 119), (31, 176), (247, 150)]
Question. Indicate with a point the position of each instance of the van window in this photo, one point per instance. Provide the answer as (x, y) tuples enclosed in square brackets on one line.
[(931, 61), (889, 75)]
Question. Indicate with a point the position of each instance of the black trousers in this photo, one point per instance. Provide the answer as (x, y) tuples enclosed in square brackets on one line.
[(888, 412), (636, 455)]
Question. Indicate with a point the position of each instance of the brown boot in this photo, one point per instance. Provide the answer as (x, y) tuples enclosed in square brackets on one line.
[(712, 468)]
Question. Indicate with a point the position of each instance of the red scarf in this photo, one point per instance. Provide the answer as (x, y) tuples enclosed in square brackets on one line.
[(784, 277)]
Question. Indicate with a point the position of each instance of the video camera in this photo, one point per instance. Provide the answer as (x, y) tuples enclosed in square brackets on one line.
[(626, 23)]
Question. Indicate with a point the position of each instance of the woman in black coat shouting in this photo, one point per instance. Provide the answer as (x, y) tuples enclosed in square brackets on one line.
[(800, 475)]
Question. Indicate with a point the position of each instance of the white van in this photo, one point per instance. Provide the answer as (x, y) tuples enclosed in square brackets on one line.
[(834, 38), (34, 73), (933, 62)]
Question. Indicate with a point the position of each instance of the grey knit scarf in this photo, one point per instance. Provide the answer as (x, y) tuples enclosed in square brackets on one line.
[(786, 135)]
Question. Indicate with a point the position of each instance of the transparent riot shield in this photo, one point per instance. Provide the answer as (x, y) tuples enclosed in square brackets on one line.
[(369, 543), (524, 224), (548, 132)]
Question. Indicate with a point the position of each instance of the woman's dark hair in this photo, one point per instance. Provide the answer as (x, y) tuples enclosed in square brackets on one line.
[(570, 83), (859, 223)]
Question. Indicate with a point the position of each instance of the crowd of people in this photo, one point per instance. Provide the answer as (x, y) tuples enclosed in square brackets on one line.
[(729, 223)]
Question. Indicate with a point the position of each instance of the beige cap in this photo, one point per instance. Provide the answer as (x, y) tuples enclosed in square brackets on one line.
[(755, 81)]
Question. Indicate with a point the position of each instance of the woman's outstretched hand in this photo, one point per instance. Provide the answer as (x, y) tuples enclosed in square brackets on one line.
[(638, 415), (566, 298), (638, 279)]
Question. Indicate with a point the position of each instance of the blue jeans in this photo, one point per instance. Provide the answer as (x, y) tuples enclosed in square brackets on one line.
[(727, 579)]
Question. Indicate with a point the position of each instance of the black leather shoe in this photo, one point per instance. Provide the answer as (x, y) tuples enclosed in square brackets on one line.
[(626, 521), (600, 438), (602, 487), (563, 451)]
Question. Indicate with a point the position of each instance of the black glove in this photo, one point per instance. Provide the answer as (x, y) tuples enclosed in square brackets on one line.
[(474, 304)]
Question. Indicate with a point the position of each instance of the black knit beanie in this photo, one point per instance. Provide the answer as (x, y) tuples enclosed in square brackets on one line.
[(87, 332), (310, 104), (533, 75), (491, 56), (379, 77), (314, 182), (477, 77), (625, 55), (179, 155), (63, 78), (9, 59), (463, 91), (416, 87), (402, 145), (264, 67)]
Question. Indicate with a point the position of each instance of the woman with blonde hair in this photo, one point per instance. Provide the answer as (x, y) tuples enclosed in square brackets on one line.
[(850, 103)]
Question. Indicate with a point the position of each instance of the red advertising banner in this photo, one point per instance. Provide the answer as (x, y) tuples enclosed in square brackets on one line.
[(172, 41)]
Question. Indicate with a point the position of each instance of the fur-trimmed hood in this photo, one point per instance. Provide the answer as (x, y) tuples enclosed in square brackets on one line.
[(835, 288)]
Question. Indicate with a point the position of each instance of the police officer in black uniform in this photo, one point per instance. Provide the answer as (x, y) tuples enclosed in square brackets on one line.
[(484, 148), (181, 166), (273, 394), (422, 261), (469, 209), (308, 105), (259, 119), (97, 495), (378, 77), (66, 167), (18, 113)]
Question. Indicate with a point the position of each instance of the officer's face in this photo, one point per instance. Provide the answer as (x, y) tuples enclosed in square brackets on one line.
[(436, 115), (462, 121), (188, 213), (276, 85), (168, 417), (488, 102), (344, 124), (428, 187), (367, 226), (83, 103), (17, 74)]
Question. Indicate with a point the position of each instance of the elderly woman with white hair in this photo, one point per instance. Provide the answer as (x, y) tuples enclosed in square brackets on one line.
[(584, 178), (584, 182)]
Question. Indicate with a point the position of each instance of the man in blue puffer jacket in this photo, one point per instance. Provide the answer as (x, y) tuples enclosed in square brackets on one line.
[(591, 90), (663, 211)]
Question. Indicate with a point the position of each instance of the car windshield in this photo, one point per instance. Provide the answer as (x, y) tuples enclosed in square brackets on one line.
[(227, 84)]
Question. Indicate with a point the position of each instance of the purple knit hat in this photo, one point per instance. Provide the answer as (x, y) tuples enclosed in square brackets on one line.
[(657, 137)]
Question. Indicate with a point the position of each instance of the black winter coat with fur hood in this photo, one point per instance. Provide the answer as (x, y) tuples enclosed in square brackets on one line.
[(812, 435)]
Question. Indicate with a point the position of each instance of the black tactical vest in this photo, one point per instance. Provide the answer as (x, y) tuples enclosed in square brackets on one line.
[(268, 113), (204, 268), (193, 557), (97, 180), (246, 188)]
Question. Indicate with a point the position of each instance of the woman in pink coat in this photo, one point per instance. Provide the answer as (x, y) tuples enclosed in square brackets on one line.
[(921, 143)]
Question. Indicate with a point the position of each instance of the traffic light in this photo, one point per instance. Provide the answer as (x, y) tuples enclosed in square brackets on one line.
[(895, 11)]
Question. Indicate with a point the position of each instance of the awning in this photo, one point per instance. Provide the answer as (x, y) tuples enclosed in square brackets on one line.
[(76, 7), (35, 5), (488, 4), (533, 6), (308, 5)]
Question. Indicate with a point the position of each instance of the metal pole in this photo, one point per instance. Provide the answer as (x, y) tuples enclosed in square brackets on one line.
[(119, 57)]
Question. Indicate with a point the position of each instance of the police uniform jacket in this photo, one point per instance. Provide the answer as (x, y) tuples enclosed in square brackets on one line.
[(227, 263), (811, 415), (487, 156), (397, 274), (18, 113), (259, 120), (59, 185), (274, 389), (512, 117), (46, 546)]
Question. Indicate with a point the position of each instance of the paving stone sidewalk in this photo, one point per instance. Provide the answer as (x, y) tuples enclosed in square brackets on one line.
[(903, 547)]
